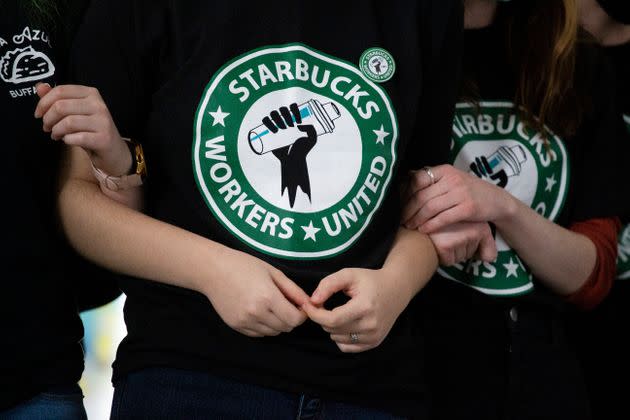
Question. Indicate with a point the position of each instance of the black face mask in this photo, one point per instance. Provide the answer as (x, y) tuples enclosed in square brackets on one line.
[(619, 10)]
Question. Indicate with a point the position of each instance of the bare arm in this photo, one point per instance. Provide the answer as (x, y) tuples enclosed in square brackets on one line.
[(562, 259), (411, 261), (126, 238), (377, 297), (78, 116), (251, 296)]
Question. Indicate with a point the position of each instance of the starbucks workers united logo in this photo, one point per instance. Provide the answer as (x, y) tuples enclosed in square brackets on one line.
[(377, 64), (491, 142), (294, 150)]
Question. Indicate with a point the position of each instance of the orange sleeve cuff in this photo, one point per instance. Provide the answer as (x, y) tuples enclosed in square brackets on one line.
[(603, 233)]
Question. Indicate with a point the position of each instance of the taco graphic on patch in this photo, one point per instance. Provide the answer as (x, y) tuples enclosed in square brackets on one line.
[(25, 65)]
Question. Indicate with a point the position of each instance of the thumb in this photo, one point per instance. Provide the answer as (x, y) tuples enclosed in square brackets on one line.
[(336, 282), (309, 130), (42, 89), (487, 247)]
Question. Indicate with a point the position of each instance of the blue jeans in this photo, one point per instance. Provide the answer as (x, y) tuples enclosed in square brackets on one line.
[(161, 393), (60, 403)]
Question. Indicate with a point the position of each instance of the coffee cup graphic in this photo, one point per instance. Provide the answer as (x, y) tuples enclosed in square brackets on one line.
[(508, 159), (505, 160), (321, 116)]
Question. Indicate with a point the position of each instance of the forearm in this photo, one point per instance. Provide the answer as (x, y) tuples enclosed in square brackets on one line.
[(131, 197), (560, 258), (131, 243), (412, 261)]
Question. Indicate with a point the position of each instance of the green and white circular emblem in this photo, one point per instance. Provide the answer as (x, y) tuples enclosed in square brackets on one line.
[(492, 143), (377, 64), (294, 150)]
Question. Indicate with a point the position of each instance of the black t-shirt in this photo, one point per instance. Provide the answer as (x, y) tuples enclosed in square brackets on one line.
[(557, 179), (598, 334), (620, 57), (495, 335), (40, 325), (367, 89)]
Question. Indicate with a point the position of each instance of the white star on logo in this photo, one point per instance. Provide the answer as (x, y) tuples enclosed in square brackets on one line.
[(511, 268), (219, 116), (380, 135), (551, 181), (310, 231)]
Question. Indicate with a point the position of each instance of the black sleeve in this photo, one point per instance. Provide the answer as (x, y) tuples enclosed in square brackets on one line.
[(92, 285), (102, 56), (72, 12), (443, 48), (106, 54), (599, 173)]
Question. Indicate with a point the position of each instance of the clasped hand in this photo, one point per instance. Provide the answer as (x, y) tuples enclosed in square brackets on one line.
[(256, 299), (454, 208), (251, 296)]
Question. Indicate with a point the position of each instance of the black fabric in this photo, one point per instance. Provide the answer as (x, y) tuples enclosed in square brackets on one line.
[(619, 10), (155, 60), (481, 364), (602, 350), (500, 357), (40, 325), (595, 199), (620, 58)]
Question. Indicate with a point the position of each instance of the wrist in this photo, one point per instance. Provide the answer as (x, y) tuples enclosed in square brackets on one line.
[(411, 262), (509, 207), (215, 258), (130, 162), (116, 162), (404, 278)]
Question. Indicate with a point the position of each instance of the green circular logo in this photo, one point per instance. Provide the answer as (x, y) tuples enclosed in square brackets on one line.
[(294, 150), (491, 142), (377, 64)]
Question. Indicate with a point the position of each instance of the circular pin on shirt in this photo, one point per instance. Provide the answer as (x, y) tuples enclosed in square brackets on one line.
[(377, 64)]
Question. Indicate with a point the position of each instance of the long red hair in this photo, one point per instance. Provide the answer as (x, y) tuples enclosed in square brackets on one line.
[(542, 39)]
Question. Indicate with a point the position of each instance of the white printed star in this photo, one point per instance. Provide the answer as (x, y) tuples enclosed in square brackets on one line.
[(219, 116), (380, 135), (512, 268), (551, 181), (310, 231)]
